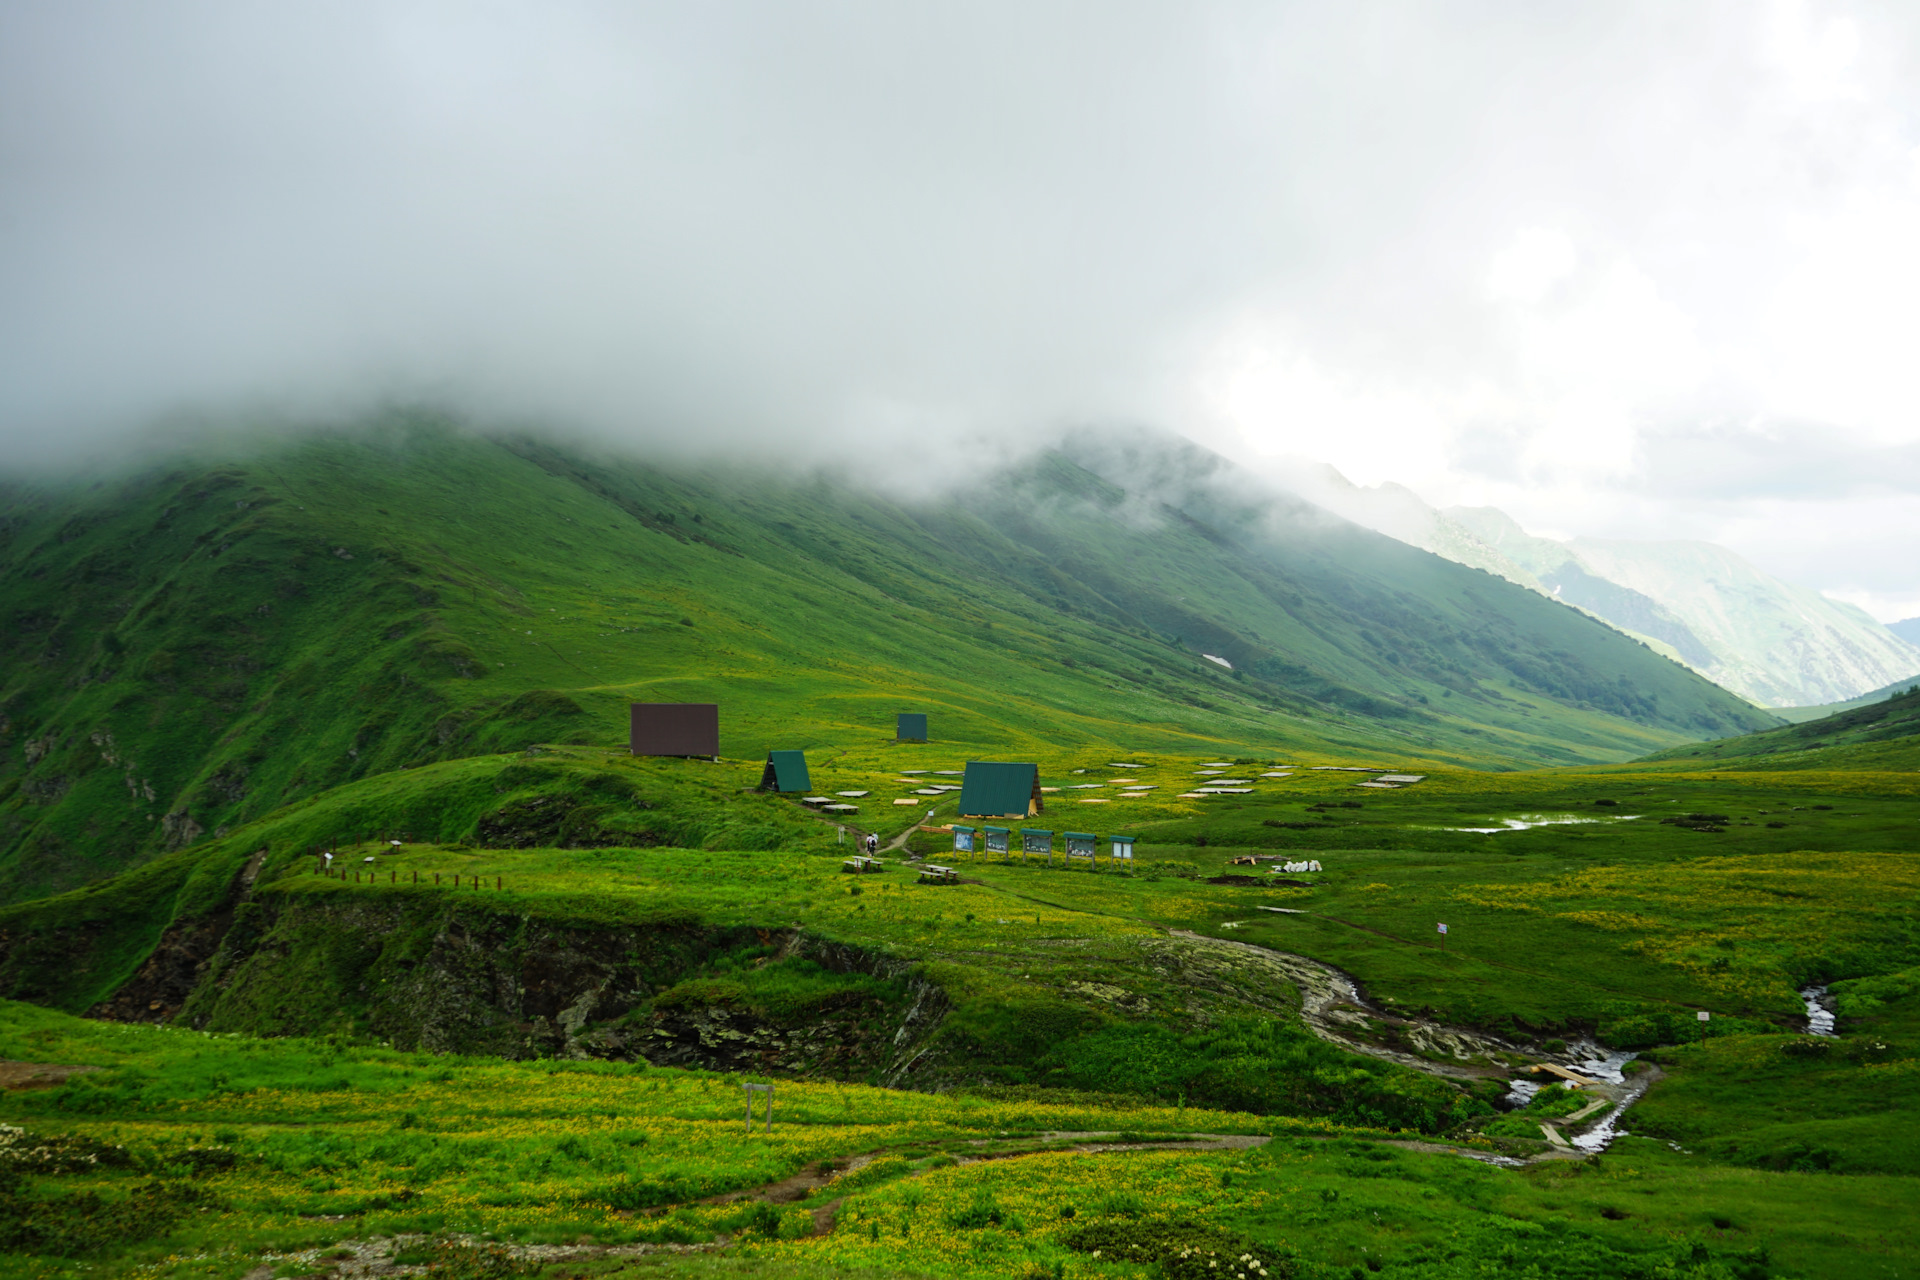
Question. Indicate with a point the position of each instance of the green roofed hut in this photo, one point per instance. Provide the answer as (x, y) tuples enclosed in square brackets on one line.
[(910, 727), (786, 771), (992, 789)]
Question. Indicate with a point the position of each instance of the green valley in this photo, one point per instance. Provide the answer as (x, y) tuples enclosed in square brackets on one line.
[(344, 936)]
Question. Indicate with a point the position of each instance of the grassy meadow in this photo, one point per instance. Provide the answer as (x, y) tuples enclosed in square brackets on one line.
[(505, 1031), (1080, 1004), (216, 1155)]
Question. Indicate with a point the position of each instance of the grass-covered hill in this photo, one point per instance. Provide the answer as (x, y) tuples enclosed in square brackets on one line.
[(195, 644), (1882, 735), (526, 1028)]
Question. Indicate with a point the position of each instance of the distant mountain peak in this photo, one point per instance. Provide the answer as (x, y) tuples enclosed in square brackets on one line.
[(1773, 642)]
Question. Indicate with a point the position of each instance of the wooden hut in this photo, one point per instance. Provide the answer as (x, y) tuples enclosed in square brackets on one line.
[(675, 729), (786, 771), (993, 789)]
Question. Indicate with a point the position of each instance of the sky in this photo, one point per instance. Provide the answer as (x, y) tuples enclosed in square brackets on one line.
[(1624, 270)]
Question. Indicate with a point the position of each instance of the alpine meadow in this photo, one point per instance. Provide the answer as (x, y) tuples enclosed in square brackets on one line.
[(1448, 931)]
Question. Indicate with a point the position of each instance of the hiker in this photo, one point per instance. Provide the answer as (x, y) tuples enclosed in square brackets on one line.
[(873, 844)]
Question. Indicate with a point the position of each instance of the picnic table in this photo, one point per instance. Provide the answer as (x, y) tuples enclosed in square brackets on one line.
[(931, 874), (861, 863)]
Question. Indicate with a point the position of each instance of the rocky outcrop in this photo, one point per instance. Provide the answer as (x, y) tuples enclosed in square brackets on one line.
[(163, 982), (428, 974)]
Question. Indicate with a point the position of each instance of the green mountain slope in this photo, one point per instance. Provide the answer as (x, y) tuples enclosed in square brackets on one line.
[(1800, 715), (1772, 641), (192, 646), (1880, 735)]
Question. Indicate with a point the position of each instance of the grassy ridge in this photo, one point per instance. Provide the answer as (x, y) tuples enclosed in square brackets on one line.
[(193, 647), (1882, 736)]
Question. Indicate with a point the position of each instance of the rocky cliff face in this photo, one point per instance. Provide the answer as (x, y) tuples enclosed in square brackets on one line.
[(461, 978)]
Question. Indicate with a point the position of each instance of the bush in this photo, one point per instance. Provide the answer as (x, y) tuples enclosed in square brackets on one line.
[(1183, 1250), (24, 1152), (86, 1223), (983, 1211)]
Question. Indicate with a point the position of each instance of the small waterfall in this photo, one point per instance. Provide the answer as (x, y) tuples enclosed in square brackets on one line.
[(1819, 1014)]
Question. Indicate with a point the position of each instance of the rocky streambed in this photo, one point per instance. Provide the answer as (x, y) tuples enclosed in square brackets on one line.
[(1335, 1009)]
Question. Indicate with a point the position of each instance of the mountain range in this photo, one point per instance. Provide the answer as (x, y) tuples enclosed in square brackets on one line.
[(1772, 642), (212, 635)]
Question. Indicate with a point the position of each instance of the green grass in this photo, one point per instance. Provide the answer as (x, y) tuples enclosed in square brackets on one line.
[(197, 645), (1883, 735), (461, 1019), (308, 1143)]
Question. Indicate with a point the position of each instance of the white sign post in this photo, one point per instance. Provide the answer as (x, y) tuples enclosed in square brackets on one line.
[(752, 1089), (1443, 937)]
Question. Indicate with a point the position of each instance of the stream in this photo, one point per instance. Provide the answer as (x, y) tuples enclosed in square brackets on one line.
[(1819, 1010), (1333, 1008), (1532, 820)]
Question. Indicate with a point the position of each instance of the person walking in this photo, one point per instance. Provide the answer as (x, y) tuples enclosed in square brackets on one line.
[(873, 844)]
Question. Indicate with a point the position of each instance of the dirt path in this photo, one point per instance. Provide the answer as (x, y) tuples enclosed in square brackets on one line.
[(373, 1258), (37, 1075), (900, 841)]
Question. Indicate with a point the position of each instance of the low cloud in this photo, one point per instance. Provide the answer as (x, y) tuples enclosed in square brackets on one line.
[(1514, 257)]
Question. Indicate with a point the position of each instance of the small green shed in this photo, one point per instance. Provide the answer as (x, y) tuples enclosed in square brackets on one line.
[(910, 727), (786, 771), (995, 789)]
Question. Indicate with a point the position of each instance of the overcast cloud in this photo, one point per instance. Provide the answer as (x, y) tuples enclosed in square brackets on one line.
[(1623, 270)]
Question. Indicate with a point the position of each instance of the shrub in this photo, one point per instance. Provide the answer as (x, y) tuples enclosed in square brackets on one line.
[(983, 1211), (86, 1223), (1183, 1250)]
